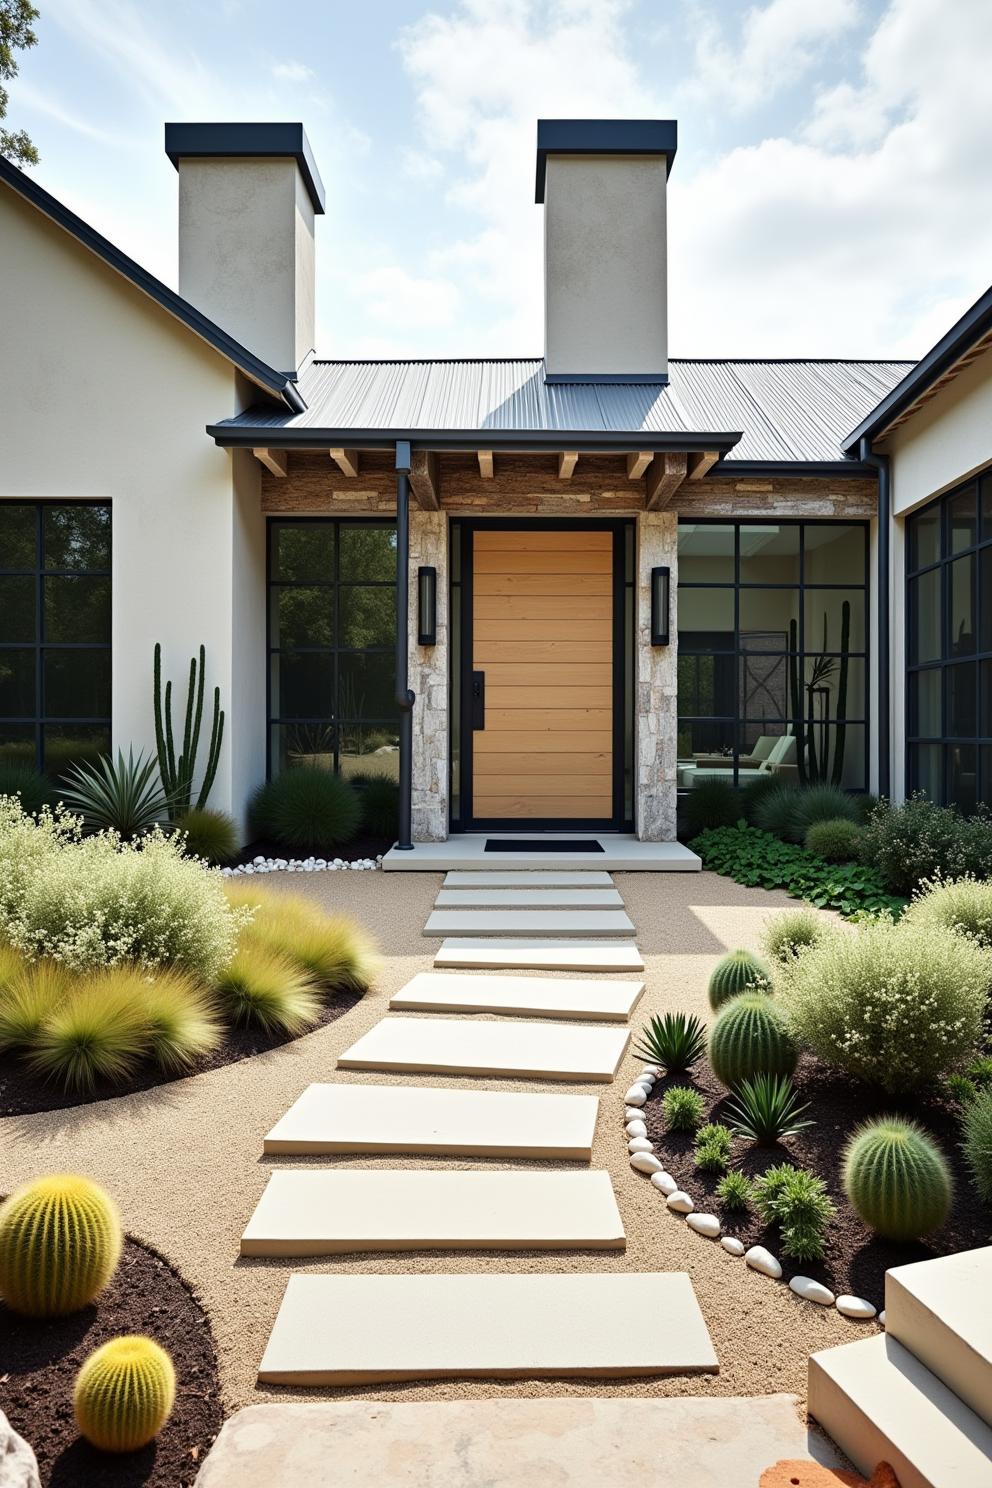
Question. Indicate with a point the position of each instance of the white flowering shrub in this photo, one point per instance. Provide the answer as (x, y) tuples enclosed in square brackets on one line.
[(893, 1003), (964, 905), (95, 901)]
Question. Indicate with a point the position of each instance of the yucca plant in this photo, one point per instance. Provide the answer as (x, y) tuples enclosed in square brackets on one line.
[(124, 795), (97, 1032), (767, 1110), (31, 994), (673, 1040), (265, 987), (682, 1108), (797, 1201), (735, 1192), (124, 1394)]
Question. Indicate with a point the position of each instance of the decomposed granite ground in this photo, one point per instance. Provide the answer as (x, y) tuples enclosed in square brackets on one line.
[(185, 1162)]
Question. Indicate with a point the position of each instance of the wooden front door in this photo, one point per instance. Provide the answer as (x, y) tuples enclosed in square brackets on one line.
[(543, 704)]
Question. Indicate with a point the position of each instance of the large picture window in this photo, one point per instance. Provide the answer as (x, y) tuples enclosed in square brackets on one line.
[(949, 646), (772, 640), (332, 628), (54, 633)]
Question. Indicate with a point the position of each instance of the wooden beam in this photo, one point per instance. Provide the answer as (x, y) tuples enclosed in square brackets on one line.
[(701, 463), (486, 464), (277, 461), (665, 474), (425, 480), (638, 462), (567, 461), (346, 460)]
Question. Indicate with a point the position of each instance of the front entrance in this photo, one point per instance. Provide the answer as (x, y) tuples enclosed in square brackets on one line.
[(542, 648)]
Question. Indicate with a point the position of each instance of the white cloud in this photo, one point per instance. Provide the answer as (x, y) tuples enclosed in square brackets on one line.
[(420, 166), (292, 72), (40, 101), (401, 299), (777, 44)]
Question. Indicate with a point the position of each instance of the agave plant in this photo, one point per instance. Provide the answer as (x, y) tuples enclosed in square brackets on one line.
[(767, 1110), (122, 794), (673, 1040)]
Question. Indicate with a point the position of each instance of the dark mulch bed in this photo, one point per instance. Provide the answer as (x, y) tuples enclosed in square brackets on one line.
[(359, 847), (39, 1361), (22, 1092), (856, 1259)]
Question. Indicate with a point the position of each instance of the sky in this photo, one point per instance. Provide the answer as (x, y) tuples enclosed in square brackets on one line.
[(831, 196)]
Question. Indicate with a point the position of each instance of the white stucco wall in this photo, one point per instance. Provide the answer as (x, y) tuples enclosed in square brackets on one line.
[(945, 441), (104, 396)]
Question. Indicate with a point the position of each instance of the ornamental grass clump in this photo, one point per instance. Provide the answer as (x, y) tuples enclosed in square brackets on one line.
[(682, 1108), (735, 1192), (306, 807), (329, 948), (98, 1032), (209, 835), (977, 1142), (711, 803), (797, 1201), (28, 998), (268, 988), (791, 933), (734, 973), (181, 1022), (965, 906), (894, 1004), (60, 1242), (897, 1179), (673, 1040)]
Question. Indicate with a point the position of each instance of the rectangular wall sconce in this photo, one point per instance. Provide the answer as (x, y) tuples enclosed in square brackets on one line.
[(660, 597), (426, 606)]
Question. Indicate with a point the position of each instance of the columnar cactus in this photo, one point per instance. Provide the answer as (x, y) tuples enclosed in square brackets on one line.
[(60, 1241), (735, 973), (897, 1179), (750, 1037), (124, 1394)]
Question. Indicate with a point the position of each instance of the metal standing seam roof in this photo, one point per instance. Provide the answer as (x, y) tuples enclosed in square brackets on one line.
[(785, 411)]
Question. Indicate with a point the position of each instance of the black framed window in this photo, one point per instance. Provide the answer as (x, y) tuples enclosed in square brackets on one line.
[(949, 646), (766, 609), (331, 645), (55, 619)]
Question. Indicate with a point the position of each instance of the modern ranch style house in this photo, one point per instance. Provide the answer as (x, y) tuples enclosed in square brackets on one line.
[(546, 594)]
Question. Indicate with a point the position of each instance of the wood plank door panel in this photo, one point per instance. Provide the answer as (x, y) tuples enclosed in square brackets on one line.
[(543, 636)]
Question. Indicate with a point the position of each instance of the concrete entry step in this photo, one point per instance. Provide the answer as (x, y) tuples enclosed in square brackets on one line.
[(452, 1046), (529, 922), (308, 1213), (443, 1123), (933, 1309), (535, 997), (350, 1330), (520, 879), (467, 850), (528, 898), (479, 954)]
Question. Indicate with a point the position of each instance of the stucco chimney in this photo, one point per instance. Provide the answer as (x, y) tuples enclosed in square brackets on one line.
[(603, 183), (248, 195)]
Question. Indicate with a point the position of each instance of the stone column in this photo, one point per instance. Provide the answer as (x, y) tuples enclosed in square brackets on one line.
[(429, 680), (656, 712)]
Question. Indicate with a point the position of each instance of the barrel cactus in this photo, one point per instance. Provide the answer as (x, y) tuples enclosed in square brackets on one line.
[(124, 1394), (750, 1037), (897, 1179), (60, 1241), (735, 973)]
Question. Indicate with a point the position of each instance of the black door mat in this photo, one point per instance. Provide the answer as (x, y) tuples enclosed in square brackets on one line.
[(543, 845)]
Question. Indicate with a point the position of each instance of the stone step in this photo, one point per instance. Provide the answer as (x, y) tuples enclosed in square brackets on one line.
[(941, 1310), (533, 997), (479, 954), (528, 898), (442, 1123), (367, 1329), (529, 922), (452, 1046), (881, 1404), (520, 879), (310, 1213)]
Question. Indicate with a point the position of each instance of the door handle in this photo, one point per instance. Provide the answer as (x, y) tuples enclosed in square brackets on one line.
[(478, 700)]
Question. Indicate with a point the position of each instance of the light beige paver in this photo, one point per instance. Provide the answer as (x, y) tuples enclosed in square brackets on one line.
[(460, 878), (527, 898), (533, 997), (538, 955), (351, 1329), (445, 1123), (941, 1310), (529, 922), (310, 1213), (542, 1051)]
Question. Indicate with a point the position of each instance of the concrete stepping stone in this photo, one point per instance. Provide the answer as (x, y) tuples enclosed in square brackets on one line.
[(478, 953), (364, 1329), (528, 899), (442, 1123), (452, 1046), (460, 878), (552, 997), (311, 1213), (529, 922)]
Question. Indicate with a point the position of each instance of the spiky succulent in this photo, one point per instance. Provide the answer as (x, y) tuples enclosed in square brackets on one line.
[(897, 1179), (735, 1192), (124, 1394), (736, 973), (750, 1037), (767, 1110), (673, 1040), (60, 1241)]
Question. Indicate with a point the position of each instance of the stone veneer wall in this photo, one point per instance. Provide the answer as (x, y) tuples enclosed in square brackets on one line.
[(429, 680), (656, 700)]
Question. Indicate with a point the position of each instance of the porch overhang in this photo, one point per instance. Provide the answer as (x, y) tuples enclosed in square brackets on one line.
[(232, 434)]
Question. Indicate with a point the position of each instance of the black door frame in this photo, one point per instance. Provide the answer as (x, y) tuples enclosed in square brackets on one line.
[(467, 821)]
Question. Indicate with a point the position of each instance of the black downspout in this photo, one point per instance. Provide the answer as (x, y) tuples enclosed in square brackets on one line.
[(881, 464), (404, 697)]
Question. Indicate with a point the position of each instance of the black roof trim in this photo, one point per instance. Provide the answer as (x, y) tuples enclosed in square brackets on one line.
[(973, 325), (603, 137), (231, 433), (280, 383), (202, 140), (747, 469)]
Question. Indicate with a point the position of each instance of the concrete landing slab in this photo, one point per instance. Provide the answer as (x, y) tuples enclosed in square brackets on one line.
[(930, 1307), (620, 851), (311, 1213), (529, 922), (583, 879), (479, 954), (527, 898), (443, 1123), (451, 1046), (533, 997), (349, 1330)]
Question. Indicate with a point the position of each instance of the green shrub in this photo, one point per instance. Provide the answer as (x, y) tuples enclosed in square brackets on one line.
[(124, 1394), (797, 1201), (897, 1179), (735, 1192), (735, 973), (209, 835), (964, 905), (750, 1037), (774, 811), (306, 807), (791, 933), (97, 1032), (754, 791), (977, 1143), (713, 1145), (265, 987), (379, 798), (60, 1242), (329, 948), (835, 840), (682, 1108), (767, 1110), (760, 860), (961, 1089), (32, 789), (822, 803), (118, 795), (980, 1070), (711, 803), (673, 1040), (918, 842), (894, 1004)]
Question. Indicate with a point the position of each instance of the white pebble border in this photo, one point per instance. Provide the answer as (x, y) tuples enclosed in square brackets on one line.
[(302, 865), (680, 1203)]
